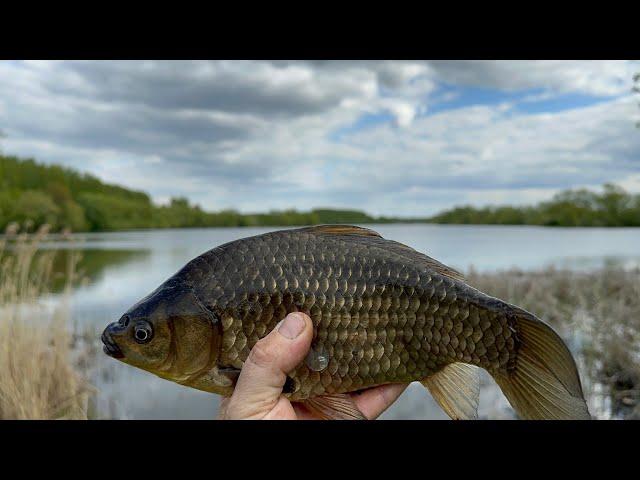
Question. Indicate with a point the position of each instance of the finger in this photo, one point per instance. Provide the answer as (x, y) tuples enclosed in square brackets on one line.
[(222, 409), (264, 372), (374, 401)]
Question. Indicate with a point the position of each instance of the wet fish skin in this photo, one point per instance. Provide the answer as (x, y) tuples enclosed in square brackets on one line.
[(382, 313), (380, 316)]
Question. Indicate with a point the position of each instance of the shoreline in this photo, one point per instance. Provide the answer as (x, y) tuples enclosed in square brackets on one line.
[(56, 236)]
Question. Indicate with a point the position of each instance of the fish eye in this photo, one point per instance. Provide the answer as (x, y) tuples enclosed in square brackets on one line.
[(143, 332)]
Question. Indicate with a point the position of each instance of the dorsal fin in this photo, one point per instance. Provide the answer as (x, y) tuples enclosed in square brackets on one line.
[(443, 269), (396, 247), (341, 230), (432, 263)]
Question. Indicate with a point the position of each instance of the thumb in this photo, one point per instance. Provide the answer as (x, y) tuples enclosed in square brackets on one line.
[(264, 372)]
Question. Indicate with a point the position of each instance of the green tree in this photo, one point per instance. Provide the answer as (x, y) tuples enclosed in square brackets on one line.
[(179, 202), (37, 207), (109, 212), (613, 203)]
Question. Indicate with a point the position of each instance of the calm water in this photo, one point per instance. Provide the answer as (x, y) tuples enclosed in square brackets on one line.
[(123, 267)]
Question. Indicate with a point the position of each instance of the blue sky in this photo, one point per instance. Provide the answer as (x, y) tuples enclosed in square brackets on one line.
[(393, 138), (535, 100)]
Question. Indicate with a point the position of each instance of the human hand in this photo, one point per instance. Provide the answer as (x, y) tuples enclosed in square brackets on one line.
[(258, 391)]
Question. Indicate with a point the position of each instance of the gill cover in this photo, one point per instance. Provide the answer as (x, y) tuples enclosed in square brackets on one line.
[(186, 336)]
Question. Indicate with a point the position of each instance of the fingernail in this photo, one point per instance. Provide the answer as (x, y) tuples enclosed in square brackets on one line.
[(291, 326)]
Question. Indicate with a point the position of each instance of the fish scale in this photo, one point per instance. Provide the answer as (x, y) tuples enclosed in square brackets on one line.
[(378, 317)]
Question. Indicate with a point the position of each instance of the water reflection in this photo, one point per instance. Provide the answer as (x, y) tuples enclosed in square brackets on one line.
[(91, 266)]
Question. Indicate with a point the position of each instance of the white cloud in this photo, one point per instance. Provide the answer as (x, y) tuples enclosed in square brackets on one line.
[(602, 77), (260, 135)]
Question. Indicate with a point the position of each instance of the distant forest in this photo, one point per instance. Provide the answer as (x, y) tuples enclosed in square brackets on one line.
[(36, 194), (613, 207)]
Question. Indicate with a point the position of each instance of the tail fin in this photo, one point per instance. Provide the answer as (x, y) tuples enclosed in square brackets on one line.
[(544, 383)]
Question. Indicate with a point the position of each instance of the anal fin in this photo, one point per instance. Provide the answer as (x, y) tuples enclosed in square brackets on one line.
[(456, 388), (338, 406)]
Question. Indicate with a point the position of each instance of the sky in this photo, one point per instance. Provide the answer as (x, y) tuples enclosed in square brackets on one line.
[(401, 138)]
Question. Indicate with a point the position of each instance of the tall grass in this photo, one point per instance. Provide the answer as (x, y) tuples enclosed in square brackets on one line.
[(38, 376), (598, 312)]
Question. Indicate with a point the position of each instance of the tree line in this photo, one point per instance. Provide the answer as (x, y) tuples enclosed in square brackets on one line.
[(63, 198), (613, 207)]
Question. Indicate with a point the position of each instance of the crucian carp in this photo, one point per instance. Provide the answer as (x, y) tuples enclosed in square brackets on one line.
[(382, 313)]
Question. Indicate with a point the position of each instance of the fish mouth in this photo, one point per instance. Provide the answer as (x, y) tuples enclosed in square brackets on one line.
[(110, 347)]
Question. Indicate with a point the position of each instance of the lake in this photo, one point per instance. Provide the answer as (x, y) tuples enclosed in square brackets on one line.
[(122, 267)]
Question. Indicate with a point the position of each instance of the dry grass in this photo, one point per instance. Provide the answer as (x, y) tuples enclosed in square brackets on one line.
[(598, 312), (38, 377)]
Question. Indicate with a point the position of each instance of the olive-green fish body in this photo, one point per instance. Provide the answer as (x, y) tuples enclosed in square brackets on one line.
[(380, 316), (382, 313)]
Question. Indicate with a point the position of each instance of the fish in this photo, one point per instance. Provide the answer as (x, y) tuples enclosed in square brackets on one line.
[(382, 313)]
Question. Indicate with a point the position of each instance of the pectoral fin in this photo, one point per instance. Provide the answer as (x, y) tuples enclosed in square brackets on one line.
[(339, 406), (456, 388)]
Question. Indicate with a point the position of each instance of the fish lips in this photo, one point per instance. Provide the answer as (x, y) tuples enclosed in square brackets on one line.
[(109, 346)]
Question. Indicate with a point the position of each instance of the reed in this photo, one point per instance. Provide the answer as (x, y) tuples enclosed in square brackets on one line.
[(39, 376)]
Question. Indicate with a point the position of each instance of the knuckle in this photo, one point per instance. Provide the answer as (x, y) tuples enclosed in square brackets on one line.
[(262, 354)]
